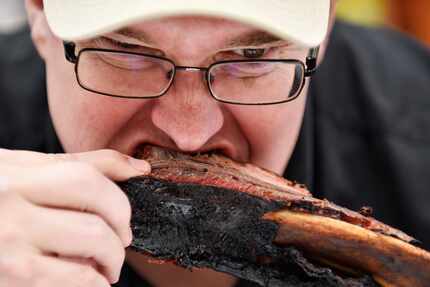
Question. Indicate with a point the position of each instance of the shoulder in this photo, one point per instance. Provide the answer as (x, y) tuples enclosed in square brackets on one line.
[(378, 39), (377, 74), (23, 105), (384, 50), (380, 53), (366, 134)]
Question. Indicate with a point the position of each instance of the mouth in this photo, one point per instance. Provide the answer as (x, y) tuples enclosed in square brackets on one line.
[(139, 151)]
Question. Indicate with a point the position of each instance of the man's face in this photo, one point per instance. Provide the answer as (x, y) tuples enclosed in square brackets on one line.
[(187, 118)]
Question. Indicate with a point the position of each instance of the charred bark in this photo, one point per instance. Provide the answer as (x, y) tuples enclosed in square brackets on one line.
[(211, 227), (209, 211)]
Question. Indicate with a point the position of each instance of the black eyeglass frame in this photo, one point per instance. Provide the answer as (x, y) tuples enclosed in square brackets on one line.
[(309, 69)]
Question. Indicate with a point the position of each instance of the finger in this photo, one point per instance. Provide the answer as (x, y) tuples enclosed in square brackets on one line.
[(78, 260), (61, 272), (17, 263), (77, 235), (79, 187), (112, 164)]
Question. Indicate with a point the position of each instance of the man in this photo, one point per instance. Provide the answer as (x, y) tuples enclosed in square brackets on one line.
[(63, 219)]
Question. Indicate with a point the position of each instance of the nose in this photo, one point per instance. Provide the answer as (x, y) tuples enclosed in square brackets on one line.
[(187, 113)]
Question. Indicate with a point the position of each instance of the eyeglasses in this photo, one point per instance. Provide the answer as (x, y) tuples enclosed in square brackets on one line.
[(141, 76)]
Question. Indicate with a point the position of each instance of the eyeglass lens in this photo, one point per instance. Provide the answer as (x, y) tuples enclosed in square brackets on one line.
[(140, 76), (121, 74), (248, 82)]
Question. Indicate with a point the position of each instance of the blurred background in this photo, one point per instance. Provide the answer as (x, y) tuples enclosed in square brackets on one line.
[(12, 16), (411, 16)]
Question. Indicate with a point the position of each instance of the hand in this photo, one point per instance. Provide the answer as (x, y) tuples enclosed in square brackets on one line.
[(63, 221)]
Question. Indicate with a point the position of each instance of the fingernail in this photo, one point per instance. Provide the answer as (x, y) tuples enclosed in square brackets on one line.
[(131, 237), (140, 165), (116, 278)]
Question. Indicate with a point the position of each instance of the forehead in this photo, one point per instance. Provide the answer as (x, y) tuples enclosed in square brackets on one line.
[(193, 22), (197, 29)]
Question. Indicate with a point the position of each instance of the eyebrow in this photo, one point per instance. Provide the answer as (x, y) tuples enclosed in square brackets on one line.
[(254, 38), (133, 34)]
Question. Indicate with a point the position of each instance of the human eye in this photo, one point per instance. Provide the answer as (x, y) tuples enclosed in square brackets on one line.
[(110, 44), (252, 53), (248, 69), (122, 55), (128, 61), (113, 44), (245, 68)]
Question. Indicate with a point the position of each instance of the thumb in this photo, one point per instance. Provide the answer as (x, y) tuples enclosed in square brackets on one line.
[(112, 164)]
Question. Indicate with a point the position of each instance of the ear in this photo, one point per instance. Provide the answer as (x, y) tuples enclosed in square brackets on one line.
[(40, 32), (333, 9), (33, 6)]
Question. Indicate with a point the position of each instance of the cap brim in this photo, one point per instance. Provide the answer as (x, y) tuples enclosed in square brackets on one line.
[(302, 21)]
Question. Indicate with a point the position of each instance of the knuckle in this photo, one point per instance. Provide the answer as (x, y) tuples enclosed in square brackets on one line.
[(80, 173), (7, 200), (9, 234), (97, 227), (122, 207), (84, 169), (62, 157), (55, 158), (14, 215), (19, 268), (84, 175), (112, 156)]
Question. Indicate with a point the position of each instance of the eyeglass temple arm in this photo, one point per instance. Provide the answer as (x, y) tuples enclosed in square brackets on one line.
[(70, 52), (312, 61)]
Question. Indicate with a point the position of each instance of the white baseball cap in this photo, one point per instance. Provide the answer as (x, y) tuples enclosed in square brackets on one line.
[(302, 21)]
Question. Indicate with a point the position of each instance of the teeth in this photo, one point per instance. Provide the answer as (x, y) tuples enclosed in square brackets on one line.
[(139, 151)]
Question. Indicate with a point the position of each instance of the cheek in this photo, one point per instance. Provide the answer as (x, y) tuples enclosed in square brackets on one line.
[(83, 120), (272, 134)]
